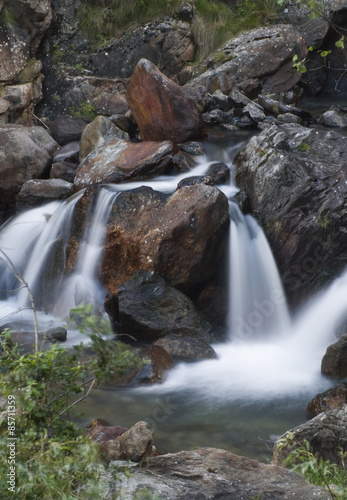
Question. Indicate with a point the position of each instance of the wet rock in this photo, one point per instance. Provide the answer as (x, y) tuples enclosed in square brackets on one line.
[(180, 236), (58, 334), (332, 399), (100, 431), (183, 162), (69, 152), (161, 108), (238, 100), (125, 123), (334, 362), (149, 308), (135, 444), (254, 112), (66, 129), (96, 133), (36, 192), (199, 95), (276, 107), (294, 181), (221, 100), (216, 117), (326, 433), (289, 118), (193, 148), (153, 372), (63, 170), (26, 154), (334, 118), (121, 161), (258, 61), (210, 473), (186, 348), (213, 303), (220, 172)]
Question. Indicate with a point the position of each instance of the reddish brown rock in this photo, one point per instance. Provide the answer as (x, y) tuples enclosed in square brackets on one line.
[(332, 399), (99, 430), (120, 161), (161, 108)]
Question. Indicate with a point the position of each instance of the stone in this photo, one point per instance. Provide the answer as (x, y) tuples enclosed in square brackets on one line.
[(332, 399), (333, 118), (26, 154), (96, 133), (100, 431), (66, 129), (257, 61), (186, 348), (254, 112), (161, 108), (211, 473), (135, 444), (277, 107), (69, 152), (122, 161), (63, 170), (294, 181), (150, 308), (153, 372), (326, 434), (213, 303), (58, 334), (334, 362), (180, 236), (36, 192)]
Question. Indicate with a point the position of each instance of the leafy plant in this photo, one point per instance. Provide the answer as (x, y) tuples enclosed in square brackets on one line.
[(84, 109)]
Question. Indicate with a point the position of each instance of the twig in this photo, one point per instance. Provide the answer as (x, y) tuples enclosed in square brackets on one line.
[(80, 399)]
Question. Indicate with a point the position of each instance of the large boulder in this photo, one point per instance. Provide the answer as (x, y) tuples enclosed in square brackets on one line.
[(186, 348), (331, 399), (149, 308), (258, 61), (161, 108), (180, 236), (294, 181), (96, 133), (211, 473), (334, 362), (36, 192), (121, 161), (326, 434), (26, 153)]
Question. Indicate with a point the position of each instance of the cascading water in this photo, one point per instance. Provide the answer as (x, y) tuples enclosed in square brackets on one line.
[(265, 373)]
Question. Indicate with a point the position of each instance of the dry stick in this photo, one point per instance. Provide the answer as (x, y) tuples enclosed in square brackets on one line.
[(80, 399), (31, 297)]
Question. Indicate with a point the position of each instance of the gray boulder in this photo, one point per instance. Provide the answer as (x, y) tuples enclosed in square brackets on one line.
[(334, 362), (36, 192)]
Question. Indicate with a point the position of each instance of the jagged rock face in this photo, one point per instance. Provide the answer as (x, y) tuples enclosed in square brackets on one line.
[(258, 61), (120, 161), (294, 181), (162, 110), (23, 23), (211, 473), (26, 154), (326, 433)]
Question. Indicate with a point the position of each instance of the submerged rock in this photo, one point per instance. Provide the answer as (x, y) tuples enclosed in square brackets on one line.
[(161, 108)]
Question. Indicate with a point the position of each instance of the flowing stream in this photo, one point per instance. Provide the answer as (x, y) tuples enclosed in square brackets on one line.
[(264, 375)]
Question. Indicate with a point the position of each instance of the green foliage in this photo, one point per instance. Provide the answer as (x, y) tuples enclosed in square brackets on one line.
[(303, 147), (318, 471), (84, 109), (254, 13), (54, 459), (6, 18)]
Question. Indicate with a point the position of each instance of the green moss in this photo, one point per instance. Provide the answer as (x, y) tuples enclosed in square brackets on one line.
[(84, 110), (30, 71), (303, 147)]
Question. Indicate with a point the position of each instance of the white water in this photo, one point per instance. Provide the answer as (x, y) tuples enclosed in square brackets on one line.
[(267, 356)]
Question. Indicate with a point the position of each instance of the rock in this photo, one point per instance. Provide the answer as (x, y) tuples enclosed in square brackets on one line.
[(199, 96), (122, 161), (26, 154), (221, 100), (149, 308), (63, 170), (58, 334), (161, 108), (238, 100), (154, 371), (334, 118), (36, 192), (193, 148), (334, 362), (100, 431), (277, 107), (135, 444), (68, 152), (213, 303), (326, 433), (294, 181), (254, 112), (220, 172), (216, 117), (258, 61), (210, 473), (186, 348), (66, 129), (289, 118), (180, 236), (98, 132), (332, 399), (125, 123)]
